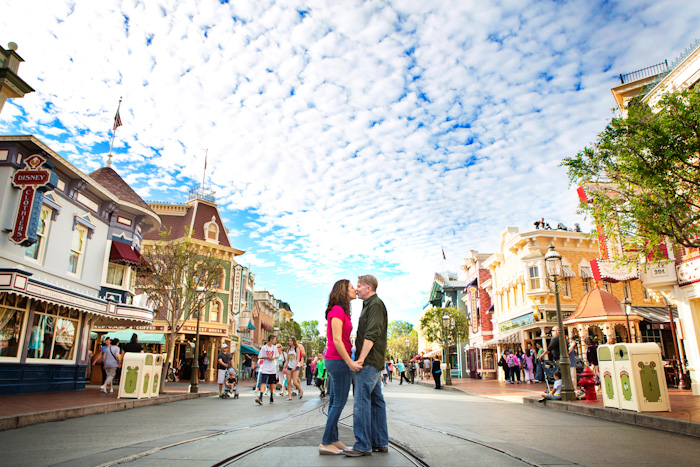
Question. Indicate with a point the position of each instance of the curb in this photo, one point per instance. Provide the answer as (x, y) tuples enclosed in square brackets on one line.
[(645, 420), (19, 421)]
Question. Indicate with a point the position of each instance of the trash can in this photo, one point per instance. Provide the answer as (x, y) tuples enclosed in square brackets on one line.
[(148, 375), (157, 372), (641, 386), (608, 381), (134, 371)]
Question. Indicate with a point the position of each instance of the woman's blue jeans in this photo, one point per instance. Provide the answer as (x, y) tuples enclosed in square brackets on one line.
[(340, 377)]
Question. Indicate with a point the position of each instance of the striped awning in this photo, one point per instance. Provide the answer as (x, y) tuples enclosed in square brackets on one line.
[(512, 337), (586, 273), (567, 272)]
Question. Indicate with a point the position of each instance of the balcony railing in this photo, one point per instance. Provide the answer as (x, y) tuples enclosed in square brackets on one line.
[(644, 72)]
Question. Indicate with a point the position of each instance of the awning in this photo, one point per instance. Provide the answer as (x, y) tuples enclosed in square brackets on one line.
[(248, 349), (654, 314), (124, 336), (610, 271), (123, 253), (567, 272), (251, 326), (586, 273), (432, 353), (511, 337)]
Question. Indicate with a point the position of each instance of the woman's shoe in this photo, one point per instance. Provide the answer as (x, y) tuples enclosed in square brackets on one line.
[(324, 451), (301, 394), (340, 445), (103, 389)]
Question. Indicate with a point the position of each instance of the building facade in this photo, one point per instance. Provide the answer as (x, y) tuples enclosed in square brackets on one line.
[(481, 362), (67, 265)]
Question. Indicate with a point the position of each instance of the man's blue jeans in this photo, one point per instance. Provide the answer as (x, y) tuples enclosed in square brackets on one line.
[(339, 376), (539, 376), (369, 417)]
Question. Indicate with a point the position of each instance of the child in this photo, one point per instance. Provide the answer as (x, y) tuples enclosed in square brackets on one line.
[(230, 385), (556, 390), (321, 377)]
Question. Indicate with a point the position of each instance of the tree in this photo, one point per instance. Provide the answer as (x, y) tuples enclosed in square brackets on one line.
[(288, 329), (398, 328), (642, 177), (432, 328), (397, 348), (309, 330), (180, 278)]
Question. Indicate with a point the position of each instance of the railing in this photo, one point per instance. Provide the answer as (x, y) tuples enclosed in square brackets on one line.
[(203, 193), (644, 72)]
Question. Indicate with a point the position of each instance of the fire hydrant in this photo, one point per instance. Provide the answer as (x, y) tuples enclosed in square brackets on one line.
[(587, 381)]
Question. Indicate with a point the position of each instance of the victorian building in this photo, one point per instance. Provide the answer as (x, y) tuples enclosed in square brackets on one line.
[(480, 361), (67, 265), (264, 312)]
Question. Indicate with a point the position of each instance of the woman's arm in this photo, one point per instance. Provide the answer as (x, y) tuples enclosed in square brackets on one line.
[(337, 331)]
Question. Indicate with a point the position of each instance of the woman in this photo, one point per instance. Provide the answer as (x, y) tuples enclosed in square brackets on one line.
[(339, 365), (110, 362), (293, 367), (437, 372), (504, 364)]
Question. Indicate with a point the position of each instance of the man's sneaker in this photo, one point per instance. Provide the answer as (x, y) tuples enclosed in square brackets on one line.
[(272, 401), (352, 452), (258, 401), (380, 448)]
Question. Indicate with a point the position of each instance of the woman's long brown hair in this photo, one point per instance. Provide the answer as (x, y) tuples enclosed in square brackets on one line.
[(339, 297)]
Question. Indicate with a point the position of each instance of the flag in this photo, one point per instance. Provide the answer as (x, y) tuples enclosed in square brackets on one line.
[(443, 253), (205, 160), (117, 121)]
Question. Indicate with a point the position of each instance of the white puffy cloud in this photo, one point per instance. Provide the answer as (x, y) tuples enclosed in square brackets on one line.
[(361, 136)]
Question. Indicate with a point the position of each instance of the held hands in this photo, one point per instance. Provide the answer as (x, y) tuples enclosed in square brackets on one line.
[(355, 366)]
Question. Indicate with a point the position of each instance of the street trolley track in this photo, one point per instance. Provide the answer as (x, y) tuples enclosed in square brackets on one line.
[(152, 451)]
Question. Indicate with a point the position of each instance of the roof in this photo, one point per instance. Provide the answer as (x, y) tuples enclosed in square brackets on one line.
[(177, 225), (115, 184), (205, 212), (597, 303)]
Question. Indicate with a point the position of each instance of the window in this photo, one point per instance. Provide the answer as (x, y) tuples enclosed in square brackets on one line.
[(646, 293), (116, 274), (77, 250), (211, 230), (214, 311), (534, 277), (651, 335), (626, 291), (586, 285), (37, 250), (565, 285), (53, 334), (222, 275), (606, 286), (13, 310)]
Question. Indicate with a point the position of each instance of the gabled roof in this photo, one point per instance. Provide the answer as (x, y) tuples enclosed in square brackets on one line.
[(115, 184), (205, 212)]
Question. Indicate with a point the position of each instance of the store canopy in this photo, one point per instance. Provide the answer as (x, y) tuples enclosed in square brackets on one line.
[(248, 349), (124, 336), (123, 253), (512, 337), (251, 326), (432, 353), (416, 358)]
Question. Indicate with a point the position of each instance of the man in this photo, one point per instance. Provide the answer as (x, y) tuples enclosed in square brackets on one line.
[(539, 373), (268, 356), (223, 361), (247, 366), (370, 426), (553, 348), (412, 366)]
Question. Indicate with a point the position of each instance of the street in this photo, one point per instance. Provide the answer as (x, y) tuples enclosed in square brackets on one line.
[(427, 427)]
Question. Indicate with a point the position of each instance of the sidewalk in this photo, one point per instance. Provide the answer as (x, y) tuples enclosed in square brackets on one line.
[(684, 417)]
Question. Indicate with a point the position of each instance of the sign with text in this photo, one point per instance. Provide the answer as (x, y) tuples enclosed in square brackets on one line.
[(33, 180)]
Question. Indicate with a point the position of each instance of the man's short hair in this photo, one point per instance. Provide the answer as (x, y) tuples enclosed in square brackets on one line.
[(271, 338), (369, 280)]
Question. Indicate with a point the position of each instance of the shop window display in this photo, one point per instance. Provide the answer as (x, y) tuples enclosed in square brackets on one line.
[(13, 310), (53, 334)]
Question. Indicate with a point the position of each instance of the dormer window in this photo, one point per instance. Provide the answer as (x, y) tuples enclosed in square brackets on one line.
[(211, 231)]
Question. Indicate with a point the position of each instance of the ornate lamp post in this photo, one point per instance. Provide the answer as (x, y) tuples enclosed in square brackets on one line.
[(627, 306), (194, 378), (448, 372), (552, 261)]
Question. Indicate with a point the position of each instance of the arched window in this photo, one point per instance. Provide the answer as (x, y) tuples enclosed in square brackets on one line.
[(211, 231), (215, 311)]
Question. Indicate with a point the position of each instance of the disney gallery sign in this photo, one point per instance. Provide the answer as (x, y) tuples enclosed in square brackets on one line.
[(33, 180)]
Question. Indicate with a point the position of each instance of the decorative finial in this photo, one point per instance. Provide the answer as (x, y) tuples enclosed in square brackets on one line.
[(109, 160), (12, 46)]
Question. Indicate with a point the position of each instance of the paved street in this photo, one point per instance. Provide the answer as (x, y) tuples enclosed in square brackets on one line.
[(441, 428)]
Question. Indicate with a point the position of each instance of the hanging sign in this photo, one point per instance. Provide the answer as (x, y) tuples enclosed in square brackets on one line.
[(33, 180), (474, 314)]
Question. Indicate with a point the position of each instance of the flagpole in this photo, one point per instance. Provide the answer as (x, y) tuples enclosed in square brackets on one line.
[(114, 132), (204, 175)]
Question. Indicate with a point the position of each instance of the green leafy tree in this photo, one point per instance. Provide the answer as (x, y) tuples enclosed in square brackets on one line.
[(434, 331), (180, 277), (287, 329), (398, 328), (309, 330), (398, 347), (642, 176)]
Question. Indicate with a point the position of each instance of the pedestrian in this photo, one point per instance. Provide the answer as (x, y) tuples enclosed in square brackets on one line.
[(385, 373), (539, 368), (204, 365), (592, 353), (390, 368), (529, 364), (412, 371), (292, 366), (309, 372), (369, 424), (513, 366), (402, 373), (247, 366), (436, 371), (337, 363), (268, 356), (118, 373), (223, 361), (555, 394), (503, 363), (88, 367), (426, 368), (279, 367), (133, 345), (110, 362)]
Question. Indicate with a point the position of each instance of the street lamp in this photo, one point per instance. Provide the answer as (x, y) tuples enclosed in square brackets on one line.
[(627, 306), (552, 261), (194, 378), (448, 373)]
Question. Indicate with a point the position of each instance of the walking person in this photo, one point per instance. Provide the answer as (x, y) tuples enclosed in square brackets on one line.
[(337, 363), (110, 362), (292, 366), (133, 345), (268, 355), (223, 361), (203, 365), (539, 368), (412, 371), (402, 373), (529, 364), (436, 372), (309, 371), (279, 367), (426, 368), (369, 424), (247, 366), (504, 365)]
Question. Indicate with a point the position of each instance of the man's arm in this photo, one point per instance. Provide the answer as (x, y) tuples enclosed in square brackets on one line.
[(366, 347), (372, 333)]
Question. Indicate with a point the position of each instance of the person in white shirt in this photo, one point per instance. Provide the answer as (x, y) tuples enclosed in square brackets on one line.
[(268, 356)]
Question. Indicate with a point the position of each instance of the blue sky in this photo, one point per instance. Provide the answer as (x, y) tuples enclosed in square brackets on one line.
[(347, 137)]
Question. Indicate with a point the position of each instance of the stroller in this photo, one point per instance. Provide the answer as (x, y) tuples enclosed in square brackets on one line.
[(231, 385), (550, 366)]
